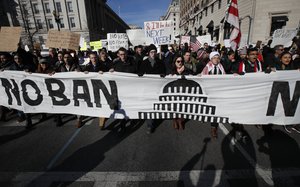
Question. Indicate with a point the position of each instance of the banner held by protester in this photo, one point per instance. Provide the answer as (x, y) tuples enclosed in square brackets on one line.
[(251, 99)]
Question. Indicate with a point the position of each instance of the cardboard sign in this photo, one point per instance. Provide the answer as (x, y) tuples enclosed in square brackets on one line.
[(9, 38), (161, 32), (137, 37), (283, 37), (116, 41), (185, 39), (63, 39)]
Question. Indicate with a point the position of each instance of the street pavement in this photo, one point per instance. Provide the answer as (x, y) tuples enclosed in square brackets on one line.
[(67, 156)]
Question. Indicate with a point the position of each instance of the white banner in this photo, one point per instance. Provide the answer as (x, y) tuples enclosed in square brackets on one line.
[(283, 37), (161, 32), (137, 37), (256, 98), (117, 40)]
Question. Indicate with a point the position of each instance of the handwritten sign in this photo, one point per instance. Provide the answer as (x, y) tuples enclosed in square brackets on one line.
[(96, 45), (161, 32), (9, 38), (185, 39), (116, 41), (63, 39), (205, 39), (283, 37)]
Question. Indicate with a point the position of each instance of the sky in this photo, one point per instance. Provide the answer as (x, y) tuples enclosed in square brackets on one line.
[(138, 11)]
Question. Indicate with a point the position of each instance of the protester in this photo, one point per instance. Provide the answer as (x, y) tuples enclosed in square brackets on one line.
[(52, 57), (60, 61), (104, 62), (214, 67), (20, 65), (272, 59), (44, 68), (5, 61), (138, 56), (189, 62), (169, 58), (252, 64), (124, 63), (152, 65), (68, 66), (229, 62), (179, 69)]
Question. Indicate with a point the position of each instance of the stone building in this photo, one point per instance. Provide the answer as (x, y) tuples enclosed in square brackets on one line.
[(93, 19), (258, 19), (173, 13)]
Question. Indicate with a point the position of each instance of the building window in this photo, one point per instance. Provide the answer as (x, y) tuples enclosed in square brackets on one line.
[(72, 22), (39, 23), (220, 4), (58, 7), (206, 11), (174, 19), (36, 8), (228, 1), (212, 8), (70, 6), (50, 23), (62, 24), (278, 22), (174, 14), (47, 8)]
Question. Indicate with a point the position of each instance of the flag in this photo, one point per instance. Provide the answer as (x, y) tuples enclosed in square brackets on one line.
[(195, 43), (232, 18)]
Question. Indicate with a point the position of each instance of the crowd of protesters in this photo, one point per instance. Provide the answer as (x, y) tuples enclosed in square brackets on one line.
[(177, 60)]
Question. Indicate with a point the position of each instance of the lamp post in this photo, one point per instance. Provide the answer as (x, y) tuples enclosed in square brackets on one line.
[(57, 20)]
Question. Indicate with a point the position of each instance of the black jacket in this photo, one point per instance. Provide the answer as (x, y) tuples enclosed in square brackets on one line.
[(129, 66), (146, 68)]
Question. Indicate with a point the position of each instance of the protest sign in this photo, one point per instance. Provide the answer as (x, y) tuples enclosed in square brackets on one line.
[(185, 39), (9, 38), (283, 37), (205, 39), (137, 37), (161, 32), (116, 41), (256, 98), (227, 43), (63, 39), (96, 45)]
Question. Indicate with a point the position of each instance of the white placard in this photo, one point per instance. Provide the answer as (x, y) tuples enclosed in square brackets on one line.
[(117, 40), (161, 32), (283, 37)]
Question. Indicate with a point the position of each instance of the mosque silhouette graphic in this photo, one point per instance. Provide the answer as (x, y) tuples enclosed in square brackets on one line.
[(183, 99)]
